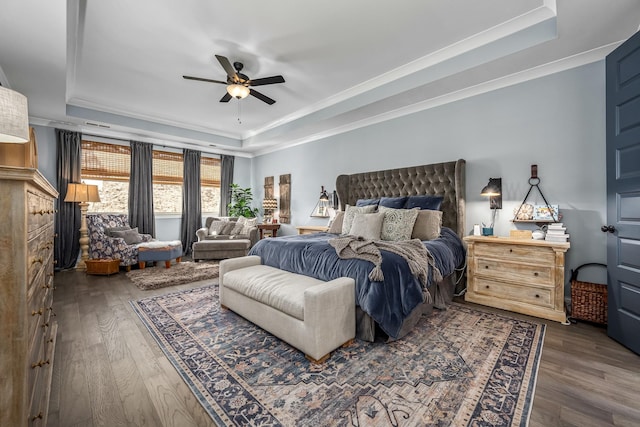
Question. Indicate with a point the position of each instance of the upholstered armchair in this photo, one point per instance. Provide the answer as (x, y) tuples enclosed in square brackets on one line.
[(124, 246)]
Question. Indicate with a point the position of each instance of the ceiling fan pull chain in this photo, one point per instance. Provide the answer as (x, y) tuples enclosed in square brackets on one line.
[(239, 112)]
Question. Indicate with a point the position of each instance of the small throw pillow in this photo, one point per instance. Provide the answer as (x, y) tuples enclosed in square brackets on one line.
[(350, 212), (108, 231), (237, 228), (428, 225), (247, 224), (398, 223), (217, 227), (336, 224), (367, 226), (131, 237), (424, 202)]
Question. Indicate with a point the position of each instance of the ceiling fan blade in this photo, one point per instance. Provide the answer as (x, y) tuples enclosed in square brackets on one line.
[(203, 80), (226, 97), (231, 72), (266, 81), (262, 97)]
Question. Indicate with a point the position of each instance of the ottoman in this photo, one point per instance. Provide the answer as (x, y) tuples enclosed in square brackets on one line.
[(159, 251), (220, 249)]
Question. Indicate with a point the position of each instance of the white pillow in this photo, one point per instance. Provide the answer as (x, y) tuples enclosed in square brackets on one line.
[(248, 225), (367, 226), (350, 212), (336, 224), (398, 223)]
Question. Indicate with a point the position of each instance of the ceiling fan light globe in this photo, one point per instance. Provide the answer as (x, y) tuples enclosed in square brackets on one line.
[(238, 91)]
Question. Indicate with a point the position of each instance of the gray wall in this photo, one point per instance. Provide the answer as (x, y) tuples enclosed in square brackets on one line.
[(556, 122), (167, 227)]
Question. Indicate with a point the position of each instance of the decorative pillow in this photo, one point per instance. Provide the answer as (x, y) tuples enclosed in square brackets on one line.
[(427, 225), (336, 224), (217, 227), (130, 237), (424, 202), (350, 212), (398, 223), (247, 223), (367, 226), (237, 228), (108, 231), (367, 202), (393, 202)]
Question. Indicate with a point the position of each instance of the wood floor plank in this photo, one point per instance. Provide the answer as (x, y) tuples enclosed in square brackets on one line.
[(109, 369)]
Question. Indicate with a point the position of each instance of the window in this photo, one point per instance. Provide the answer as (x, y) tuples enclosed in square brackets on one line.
[(107, 166)]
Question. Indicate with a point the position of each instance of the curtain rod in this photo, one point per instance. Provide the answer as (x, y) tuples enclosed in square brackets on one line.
[(155, 145)]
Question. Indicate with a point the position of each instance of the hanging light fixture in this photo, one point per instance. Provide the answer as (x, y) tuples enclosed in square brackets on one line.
[(14, 117), (238, 91)]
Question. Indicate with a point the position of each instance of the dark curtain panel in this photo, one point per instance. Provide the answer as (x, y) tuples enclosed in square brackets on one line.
[(68, 218), (141, 188), (226, 179), (191, 205)]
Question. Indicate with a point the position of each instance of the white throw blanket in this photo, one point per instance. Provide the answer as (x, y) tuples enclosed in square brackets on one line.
[(413, 251)]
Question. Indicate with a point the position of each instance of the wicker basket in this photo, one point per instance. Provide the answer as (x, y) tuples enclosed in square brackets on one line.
[(588, 300)]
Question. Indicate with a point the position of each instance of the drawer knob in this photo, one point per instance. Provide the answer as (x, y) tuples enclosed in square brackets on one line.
[(39, 312), (37, 260), (487, 286), (537, 296), (535, 274), (37, 417), (486, 266), (510, 250), (45, 325)]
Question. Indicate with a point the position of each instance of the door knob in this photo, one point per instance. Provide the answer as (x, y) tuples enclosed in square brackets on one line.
[(608, 229)]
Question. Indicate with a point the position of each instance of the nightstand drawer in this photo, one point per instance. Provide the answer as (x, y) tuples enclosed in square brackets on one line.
[(542, 297), (525, 253), (514, 272)]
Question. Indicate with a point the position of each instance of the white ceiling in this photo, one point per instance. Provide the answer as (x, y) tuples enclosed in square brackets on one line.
[(114, 68)]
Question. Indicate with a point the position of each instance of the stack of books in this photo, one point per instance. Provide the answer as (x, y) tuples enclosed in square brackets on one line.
[(556, 232)]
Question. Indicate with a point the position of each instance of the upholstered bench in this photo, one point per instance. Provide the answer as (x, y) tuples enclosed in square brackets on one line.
[(159, 251), (220, 249), (313, 316)]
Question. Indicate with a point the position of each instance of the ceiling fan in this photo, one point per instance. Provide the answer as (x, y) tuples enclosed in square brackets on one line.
[(238, 84)]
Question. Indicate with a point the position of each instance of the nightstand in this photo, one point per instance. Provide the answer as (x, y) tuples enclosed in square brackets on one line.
[(310, 229), (273, 228), (521, 275)]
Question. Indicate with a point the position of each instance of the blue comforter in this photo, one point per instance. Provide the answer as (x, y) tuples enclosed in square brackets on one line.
[(388, 302)]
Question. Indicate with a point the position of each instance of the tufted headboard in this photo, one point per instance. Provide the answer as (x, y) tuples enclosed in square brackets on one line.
[(439, 179)]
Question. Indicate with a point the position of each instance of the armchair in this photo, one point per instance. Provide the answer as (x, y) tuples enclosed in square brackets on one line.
[(102, 246)]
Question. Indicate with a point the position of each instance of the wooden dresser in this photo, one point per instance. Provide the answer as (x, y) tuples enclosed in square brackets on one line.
[(27, 327), (521, 275)]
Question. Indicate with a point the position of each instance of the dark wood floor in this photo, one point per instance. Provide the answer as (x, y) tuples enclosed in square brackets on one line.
[(108, 370)]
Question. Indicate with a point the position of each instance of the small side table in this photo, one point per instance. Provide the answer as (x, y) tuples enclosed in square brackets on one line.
[(310, 229), (273, 228)]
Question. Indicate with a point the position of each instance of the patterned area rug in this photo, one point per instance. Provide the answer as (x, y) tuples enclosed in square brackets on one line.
[(458, 367), (183, 272)]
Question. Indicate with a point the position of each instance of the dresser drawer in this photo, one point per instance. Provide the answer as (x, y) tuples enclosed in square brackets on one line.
[(538, 296), (40, 211), (514, 272), (515, 252)]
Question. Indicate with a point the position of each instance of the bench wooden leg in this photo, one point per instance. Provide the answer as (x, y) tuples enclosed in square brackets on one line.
[(178, 260), (141, 264), (167, 264), (319, 361)]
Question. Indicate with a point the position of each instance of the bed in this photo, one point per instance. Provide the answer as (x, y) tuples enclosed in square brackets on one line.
[(390, 308)]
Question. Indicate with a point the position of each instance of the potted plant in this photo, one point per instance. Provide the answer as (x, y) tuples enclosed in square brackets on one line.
[(241, 202)]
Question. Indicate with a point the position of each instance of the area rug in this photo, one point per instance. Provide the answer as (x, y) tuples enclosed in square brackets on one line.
[(179, 273), (458, 367)]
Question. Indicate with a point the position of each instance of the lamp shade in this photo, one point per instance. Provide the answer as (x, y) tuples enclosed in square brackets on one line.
[(238, 91), (493, 188), (269, 204), (14, 117), (82, 193)]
